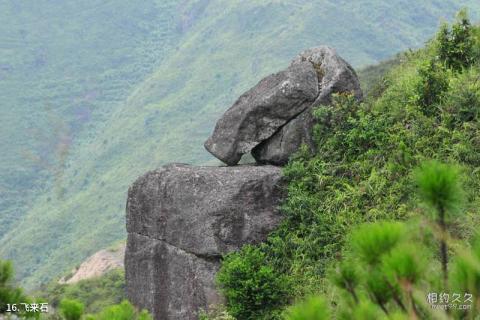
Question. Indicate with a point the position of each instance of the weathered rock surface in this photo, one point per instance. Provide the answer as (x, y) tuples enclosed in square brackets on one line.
[(169, 282), (259, 112), (274, 118), (181, 219), (335, 75), (287, 140)]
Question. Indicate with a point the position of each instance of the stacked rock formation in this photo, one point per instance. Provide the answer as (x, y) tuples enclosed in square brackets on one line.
[(181, 219), (274, 118)]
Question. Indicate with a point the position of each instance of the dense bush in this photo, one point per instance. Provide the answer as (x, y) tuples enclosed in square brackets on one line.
[(363, 170), (456, 45), (252, 287), (313, 309), (71, 309)]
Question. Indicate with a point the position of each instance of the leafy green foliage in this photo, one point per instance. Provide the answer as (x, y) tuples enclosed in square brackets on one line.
[(253, 289), (71, 309), (432, 83), (313, 309), (122, 311), (372, 241), (404, 264), (96, 293), (439, 186), (465, 274), (463, 99), (364, 169), (10, 294), (456, 46)]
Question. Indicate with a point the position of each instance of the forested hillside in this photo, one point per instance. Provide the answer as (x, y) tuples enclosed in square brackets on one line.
[(96, 94)]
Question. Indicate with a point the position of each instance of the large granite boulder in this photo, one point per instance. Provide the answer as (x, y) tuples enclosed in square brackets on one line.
[(181, 220), (260, 111), (335, 75), (275, 117)]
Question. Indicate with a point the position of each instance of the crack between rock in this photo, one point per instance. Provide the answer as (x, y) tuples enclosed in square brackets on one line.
[(286, 123), (207, 257), (301, 112)]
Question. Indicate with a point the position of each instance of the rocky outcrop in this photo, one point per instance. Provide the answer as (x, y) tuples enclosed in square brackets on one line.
[(182, 219), (275, 117), (260, 111)]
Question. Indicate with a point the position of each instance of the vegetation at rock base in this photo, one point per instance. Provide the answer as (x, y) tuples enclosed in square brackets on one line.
[(423, 114), (101, 298), (253, 287), (95, 293), (121, 311)]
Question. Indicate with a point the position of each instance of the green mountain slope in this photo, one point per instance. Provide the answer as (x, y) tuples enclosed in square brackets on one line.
[(64, 66), (226, 47)]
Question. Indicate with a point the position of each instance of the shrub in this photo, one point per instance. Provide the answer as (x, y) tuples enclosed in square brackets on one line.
[(10, 294), (314, 308), (71, 309), (121, 311), (252, 288), (432, 83), (372, 241), (439, 186), (463, 99), (456, 45)]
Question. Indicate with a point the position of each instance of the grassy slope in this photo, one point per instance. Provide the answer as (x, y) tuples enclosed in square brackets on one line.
[(168, 116)]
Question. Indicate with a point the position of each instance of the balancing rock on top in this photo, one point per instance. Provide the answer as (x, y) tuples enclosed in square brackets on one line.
[(262, 110), (275, 117), (335, 75)]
